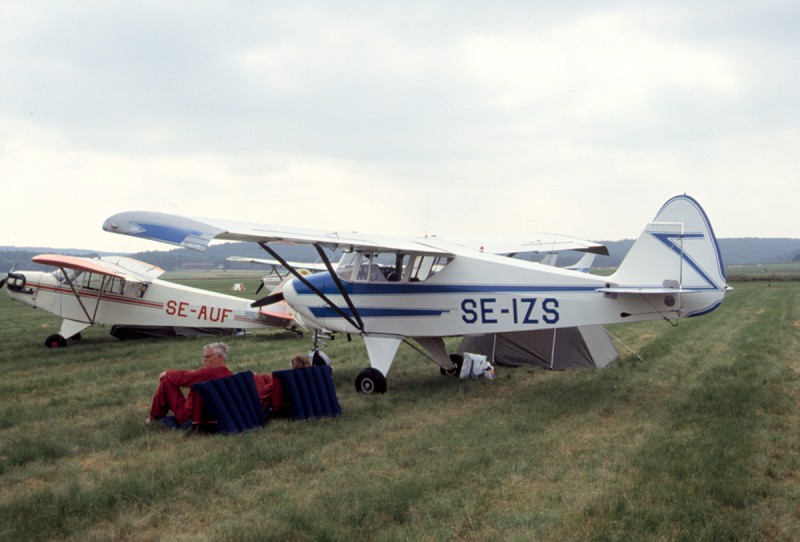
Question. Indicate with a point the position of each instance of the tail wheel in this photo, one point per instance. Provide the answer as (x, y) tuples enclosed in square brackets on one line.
[(55, 341), (458, 359), (371, 380)]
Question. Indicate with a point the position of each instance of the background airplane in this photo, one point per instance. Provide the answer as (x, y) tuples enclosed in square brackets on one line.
[(277, 272), (391, 290), (122, 291)]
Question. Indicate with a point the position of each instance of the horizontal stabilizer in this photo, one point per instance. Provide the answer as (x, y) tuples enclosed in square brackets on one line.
[(279, 317), (648, 291)]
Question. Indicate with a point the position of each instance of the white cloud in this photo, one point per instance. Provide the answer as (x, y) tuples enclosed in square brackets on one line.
[(578, 119)]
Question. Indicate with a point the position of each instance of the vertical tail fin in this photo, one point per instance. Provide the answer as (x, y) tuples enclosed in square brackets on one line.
[(677, 250)]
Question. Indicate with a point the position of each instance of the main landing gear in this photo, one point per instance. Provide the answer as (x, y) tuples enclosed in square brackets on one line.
[(55, 341), (458, 360), (370, 380)]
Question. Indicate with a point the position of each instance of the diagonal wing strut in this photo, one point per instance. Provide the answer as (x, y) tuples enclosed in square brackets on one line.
[(90, 318), (355, 320)]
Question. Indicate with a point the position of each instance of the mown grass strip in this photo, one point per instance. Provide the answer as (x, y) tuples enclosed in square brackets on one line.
[(698, 441)]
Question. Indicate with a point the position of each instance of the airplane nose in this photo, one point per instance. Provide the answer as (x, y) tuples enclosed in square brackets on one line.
[(15, 282), (298, 303), (290, 293), (4, 279)]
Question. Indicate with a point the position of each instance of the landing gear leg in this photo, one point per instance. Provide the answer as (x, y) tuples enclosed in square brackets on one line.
[(317, 356)]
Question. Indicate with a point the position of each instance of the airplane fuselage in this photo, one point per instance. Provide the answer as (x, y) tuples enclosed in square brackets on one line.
[(490, 294), (157, 303)]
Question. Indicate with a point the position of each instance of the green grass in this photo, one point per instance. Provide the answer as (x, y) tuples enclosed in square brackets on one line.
[(698, 440)]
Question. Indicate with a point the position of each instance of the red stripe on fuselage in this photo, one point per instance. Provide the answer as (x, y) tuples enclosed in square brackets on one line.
[(105, 297)]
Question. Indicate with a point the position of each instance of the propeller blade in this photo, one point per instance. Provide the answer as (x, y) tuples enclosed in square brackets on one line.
[(4, 279), (260, 287), (268, 300)]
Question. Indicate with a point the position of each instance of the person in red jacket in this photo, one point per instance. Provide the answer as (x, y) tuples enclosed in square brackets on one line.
[(169, 395)]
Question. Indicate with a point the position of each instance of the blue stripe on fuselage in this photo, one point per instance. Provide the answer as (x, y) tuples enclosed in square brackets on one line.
[(375, 312), (324, 282)]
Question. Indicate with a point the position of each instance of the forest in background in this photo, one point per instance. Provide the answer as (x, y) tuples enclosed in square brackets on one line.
[(735, 251)]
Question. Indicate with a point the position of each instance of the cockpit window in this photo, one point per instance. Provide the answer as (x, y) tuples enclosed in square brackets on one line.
[(424, 267), (61, 277), (91, 281), (389, 267), (346, 265)]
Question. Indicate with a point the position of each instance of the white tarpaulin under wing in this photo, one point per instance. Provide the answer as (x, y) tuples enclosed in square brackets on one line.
[(575, 347)]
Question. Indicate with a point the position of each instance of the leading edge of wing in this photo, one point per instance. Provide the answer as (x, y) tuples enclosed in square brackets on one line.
[(197, 233), (78, 263)]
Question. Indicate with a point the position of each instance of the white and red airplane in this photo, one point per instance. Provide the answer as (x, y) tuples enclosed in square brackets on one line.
[(122, 291), (391, 290)]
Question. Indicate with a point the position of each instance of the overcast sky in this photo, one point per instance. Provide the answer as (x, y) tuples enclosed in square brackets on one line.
[(448, 118)]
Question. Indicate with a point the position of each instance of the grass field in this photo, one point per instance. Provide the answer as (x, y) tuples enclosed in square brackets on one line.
[(697, 437)]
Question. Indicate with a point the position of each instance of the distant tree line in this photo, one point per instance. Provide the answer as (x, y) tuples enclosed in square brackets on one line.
[(738, 251)]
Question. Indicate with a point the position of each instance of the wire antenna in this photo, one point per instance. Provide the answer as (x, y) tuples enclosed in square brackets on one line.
[(427, 211)]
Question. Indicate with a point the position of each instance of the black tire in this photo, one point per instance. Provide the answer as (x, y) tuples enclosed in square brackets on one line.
[(55, 341), (458, 359), (370, 380)]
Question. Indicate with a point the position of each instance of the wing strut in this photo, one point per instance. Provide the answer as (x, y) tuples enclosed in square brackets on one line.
[(358, 323), (78, 297)]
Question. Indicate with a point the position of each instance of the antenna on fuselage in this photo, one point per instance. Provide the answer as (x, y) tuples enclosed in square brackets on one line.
[(427, 213)]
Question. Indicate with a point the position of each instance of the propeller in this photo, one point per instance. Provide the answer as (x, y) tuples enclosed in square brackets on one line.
[(268, 300), (4, 279)]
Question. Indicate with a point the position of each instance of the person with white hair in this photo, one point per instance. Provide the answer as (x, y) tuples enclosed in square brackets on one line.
[(169, 395)]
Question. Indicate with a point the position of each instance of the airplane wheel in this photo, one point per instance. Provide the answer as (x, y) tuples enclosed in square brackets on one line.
[(370, 380), (55, 341), (458, 359)]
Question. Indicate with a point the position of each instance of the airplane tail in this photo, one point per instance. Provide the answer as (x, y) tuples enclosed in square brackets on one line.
[(676, 253)]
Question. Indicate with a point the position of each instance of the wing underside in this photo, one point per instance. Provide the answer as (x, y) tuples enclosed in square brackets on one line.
[(197, 233)]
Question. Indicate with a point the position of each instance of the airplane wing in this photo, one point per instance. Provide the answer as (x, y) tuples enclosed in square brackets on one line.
[(79, 264), (297, 265), (197, 233), (536, 243), (145, 271), (120, 267)]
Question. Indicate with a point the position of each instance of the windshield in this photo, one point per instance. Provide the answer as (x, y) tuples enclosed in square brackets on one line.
[(61, 278)]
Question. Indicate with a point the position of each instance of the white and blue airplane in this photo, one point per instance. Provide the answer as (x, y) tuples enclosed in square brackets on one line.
[(392, 290)]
